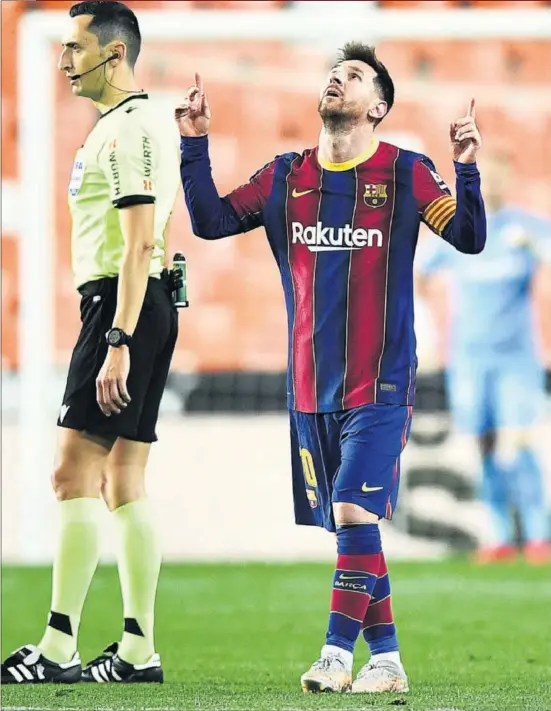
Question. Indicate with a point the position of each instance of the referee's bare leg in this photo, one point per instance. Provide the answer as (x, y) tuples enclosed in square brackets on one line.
[(87, 468), (81, 460), (139, 555)]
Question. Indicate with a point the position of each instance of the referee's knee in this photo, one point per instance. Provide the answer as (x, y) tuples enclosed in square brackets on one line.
[(118, 491), (80, 462), (70, 483)]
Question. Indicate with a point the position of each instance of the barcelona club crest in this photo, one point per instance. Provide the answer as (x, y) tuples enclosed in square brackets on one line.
[(375, 195)]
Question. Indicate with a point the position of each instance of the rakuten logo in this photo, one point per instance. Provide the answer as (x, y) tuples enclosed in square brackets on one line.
[(328, 239)]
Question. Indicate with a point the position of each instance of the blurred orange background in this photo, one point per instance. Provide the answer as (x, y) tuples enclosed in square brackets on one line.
[(264, 98)]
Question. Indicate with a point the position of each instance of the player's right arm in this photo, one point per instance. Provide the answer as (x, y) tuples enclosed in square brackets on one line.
[(213, 217), (461, 223)]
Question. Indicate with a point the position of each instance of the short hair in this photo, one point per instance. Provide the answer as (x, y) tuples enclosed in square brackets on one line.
[(110, 21), (366, 53)]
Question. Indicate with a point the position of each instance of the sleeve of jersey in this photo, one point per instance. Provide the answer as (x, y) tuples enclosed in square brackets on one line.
[(130, 163), (461, 221), (213, 217)]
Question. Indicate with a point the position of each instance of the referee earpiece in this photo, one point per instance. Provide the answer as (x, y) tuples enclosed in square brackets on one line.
[(115, 55)]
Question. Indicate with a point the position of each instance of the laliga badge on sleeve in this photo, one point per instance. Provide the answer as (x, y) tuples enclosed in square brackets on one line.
[(77, 177)]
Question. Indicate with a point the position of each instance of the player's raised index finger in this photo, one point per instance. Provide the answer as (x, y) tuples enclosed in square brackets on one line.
[(471, 111), (199, 83)]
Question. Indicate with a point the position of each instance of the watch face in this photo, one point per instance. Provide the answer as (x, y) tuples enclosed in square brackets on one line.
[(114, 337)]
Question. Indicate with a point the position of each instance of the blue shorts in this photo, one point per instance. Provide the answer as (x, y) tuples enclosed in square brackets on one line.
[(489, 394), (350, 457)]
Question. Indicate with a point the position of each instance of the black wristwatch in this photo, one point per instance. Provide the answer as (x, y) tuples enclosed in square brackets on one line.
[(116, 338)]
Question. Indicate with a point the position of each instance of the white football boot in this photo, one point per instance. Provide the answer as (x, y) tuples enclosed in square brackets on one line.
[(379, 676), (331, 672)]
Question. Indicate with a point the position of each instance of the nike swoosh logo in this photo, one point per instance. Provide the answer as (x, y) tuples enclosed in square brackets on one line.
[(366, 488), (296, 193), (352, 577)]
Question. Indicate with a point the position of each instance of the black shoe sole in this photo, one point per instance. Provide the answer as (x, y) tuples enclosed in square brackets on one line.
[(70, 676)]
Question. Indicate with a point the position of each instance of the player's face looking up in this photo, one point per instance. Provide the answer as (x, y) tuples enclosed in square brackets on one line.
[(350, 96), (82, 53)]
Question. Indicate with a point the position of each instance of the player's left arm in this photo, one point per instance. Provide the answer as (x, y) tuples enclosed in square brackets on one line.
[(460, 221), (130, 161)]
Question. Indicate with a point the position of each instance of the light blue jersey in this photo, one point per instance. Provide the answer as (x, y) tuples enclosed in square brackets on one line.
[(494, 377), (491, 300)]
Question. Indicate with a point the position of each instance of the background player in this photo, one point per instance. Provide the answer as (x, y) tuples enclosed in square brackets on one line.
[(495, 378), (123, 187), (342, 220)]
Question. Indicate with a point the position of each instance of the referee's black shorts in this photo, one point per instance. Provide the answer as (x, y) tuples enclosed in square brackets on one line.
[(151, 352)]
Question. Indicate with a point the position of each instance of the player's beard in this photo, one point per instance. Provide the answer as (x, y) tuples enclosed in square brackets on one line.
[(341, 118)]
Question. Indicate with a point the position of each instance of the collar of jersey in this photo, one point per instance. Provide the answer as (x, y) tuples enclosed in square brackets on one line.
[(124, 101), (349, 164)]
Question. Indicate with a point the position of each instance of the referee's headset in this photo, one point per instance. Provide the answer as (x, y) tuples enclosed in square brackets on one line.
[(115, 55)]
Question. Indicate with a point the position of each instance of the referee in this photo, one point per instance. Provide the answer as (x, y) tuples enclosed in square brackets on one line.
[(122, 190)]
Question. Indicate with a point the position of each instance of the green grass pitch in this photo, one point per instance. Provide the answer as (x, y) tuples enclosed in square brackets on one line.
[(239, 636)]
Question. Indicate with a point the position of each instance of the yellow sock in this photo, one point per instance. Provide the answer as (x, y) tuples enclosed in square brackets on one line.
[(139, 565), (75, 562)]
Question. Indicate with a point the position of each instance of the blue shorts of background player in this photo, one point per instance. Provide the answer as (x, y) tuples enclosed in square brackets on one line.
[(491, 393), (351, 456)]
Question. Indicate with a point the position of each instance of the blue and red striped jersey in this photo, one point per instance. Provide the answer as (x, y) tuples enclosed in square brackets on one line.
[(344, 238)]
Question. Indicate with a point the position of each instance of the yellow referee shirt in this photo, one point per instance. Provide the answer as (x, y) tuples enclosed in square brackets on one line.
[(131, 157)]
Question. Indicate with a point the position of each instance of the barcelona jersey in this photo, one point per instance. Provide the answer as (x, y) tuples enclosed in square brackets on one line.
[(344, 238)]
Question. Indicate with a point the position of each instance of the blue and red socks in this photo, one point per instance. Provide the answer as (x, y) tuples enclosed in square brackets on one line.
[(378, 626), (356, 574)]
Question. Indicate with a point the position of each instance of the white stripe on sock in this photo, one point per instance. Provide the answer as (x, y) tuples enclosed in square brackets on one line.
[(386, 657), (346, 656)]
